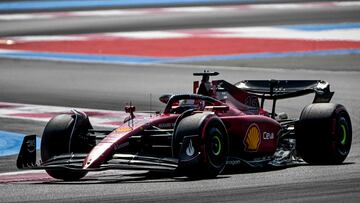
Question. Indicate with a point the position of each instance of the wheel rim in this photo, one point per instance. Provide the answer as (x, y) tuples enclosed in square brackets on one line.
[(215, 149), (343, 136), (216, 145)]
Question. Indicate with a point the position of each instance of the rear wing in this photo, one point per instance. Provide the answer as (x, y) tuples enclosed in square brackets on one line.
[(282, 89)]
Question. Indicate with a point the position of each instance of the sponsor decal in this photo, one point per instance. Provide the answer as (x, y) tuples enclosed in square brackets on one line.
[(268, 136), (166, 125), (234, 162), (31, 145), (252, 138), (124, 129), (252, 101), (190, 149)]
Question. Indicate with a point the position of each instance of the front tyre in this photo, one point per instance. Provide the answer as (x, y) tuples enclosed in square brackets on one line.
[(56, 141), (324, 134), (210, 141)]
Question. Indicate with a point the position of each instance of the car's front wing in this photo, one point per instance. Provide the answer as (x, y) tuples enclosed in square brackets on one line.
[(74, 161)]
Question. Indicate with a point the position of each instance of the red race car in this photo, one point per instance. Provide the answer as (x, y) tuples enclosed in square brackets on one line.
[(199, 134)]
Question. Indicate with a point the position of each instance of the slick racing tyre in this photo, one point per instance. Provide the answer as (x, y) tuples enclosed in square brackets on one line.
[(209, 140), (57, 140), (323, 134)]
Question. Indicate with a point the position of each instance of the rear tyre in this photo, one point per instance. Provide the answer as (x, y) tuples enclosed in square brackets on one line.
[(211, 141), (324, 134), (56, 141)]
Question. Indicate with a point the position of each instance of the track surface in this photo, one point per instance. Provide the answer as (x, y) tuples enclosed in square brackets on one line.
[(110, 86), (161, 21)]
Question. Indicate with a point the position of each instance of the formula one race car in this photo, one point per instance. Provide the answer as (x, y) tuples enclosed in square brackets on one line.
[(199, 134)]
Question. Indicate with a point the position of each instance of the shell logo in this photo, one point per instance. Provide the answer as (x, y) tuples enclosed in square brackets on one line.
[(252, 138)]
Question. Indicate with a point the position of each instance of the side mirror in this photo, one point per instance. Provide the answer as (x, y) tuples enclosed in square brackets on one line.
[(129, 109)]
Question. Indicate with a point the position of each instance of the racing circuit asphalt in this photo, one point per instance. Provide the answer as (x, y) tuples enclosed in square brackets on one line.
[(88, 85), (159, 21)]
